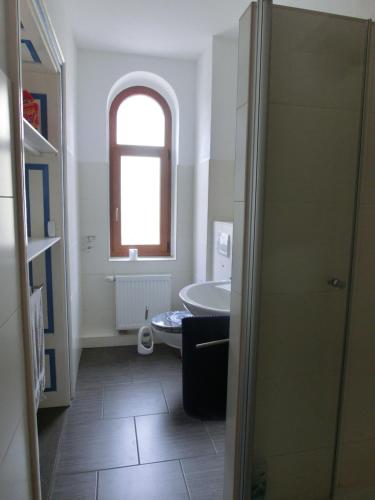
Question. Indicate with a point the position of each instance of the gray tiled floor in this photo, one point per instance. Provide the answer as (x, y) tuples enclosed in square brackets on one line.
[(133, 399), (98, 444), (76, 486), (172, 392), (126, 435), (204, 477), (216, 430), (50, 427), (170, 437), (163, 480)]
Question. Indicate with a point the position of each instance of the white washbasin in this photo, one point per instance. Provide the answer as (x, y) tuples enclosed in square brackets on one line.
[(211, 298)]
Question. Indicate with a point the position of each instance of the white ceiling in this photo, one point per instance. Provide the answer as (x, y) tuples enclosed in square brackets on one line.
[(171, 28), (174, 28)]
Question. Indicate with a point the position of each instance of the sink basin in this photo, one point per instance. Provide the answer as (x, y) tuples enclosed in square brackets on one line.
[(211, 298)]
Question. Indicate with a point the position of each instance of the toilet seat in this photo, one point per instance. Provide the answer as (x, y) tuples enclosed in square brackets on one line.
[(170, 321), (167, 327)]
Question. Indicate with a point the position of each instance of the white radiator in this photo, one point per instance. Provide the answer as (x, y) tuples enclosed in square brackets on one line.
[(140, 297)]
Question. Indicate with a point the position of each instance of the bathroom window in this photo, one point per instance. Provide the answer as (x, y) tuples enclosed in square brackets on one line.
[(140, 173)]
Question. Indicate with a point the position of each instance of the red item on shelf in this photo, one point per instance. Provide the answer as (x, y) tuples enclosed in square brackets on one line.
[(31, 109)]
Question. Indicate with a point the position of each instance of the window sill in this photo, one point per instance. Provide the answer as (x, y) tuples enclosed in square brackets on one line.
[(141, 259)]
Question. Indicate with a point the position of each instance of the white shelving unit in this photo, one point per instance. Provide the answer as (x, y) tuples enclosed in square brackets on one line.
[(37, 70), (37, 246), (34, 142), (44, 195)]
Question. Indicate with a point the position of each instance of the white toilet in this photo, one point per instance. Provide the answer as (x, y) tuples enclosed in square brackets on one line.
[(167, 327)]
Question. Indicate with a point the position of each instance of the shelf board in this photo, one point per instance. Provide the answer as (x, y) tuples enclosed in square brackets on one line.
[(37, 246), (35, 31), (35, 142)]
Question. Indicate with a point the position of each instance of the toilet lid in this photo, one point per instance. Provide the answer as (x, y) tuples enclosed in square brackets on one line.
[(170, 321)]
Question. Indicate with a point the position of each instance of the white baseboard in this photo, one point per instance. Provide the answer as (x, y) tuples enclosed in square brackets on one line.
[(108, 338)]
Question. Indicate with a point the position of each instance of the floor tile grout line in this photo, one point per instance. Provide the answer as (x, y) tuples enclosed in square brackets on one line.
[(137, 382), (97, 485), (165, 398), (210, 436), (134, 379), (104, 469), (188, 457), (175, 459), (136, 416), (57, 457), (89, 419), (102, 391), (103, 385), (136, 440), (97, 474), (184, 477)]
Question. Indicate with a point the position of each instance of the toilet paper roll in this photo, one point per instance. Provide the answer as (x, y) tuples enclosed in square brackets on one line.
[(133, 253)]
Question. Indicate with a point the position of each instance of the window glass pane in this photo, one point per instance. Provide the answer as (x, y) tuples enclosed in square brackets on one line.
[(140, 122), (140, 200)]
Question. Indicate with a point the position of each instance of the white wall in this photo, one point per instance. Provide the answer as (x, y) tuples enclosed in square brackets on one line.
[(60, 21), (98, 73), (224, 95), (223, 134), (203, 153), (15, 481), (216, 126), (204, 106)]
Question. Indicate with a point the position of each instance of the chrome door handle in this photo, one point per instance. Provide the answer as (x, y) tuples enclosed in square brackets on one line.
[(337, 283), (212, 343)]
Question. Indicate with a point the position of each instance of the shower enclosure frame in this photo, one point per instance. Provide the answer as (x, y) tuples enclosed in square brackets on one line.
[(240, 485)]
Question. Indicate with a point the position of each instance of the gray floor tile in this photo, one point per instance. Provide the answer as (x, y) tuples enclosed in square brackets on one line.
[(105, 356), (75, 487), (161, 352), (107, 365), (155, 369), (90, 393), (84, 410), (164, 362), (160, 355), (216, 430), (160, 481), (204, 477), (51, 423), (127, 400), (119, 382), (98, 445), (172, 388), (170, 437), (96, 376)]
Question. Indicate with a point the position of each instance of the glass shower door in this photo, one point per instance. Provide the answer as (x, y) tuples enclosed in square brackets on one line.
[(313, 138)]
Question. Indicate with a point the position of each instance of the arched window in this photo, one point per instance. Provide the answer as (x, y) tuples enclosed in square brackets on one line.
[(140, 173)]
